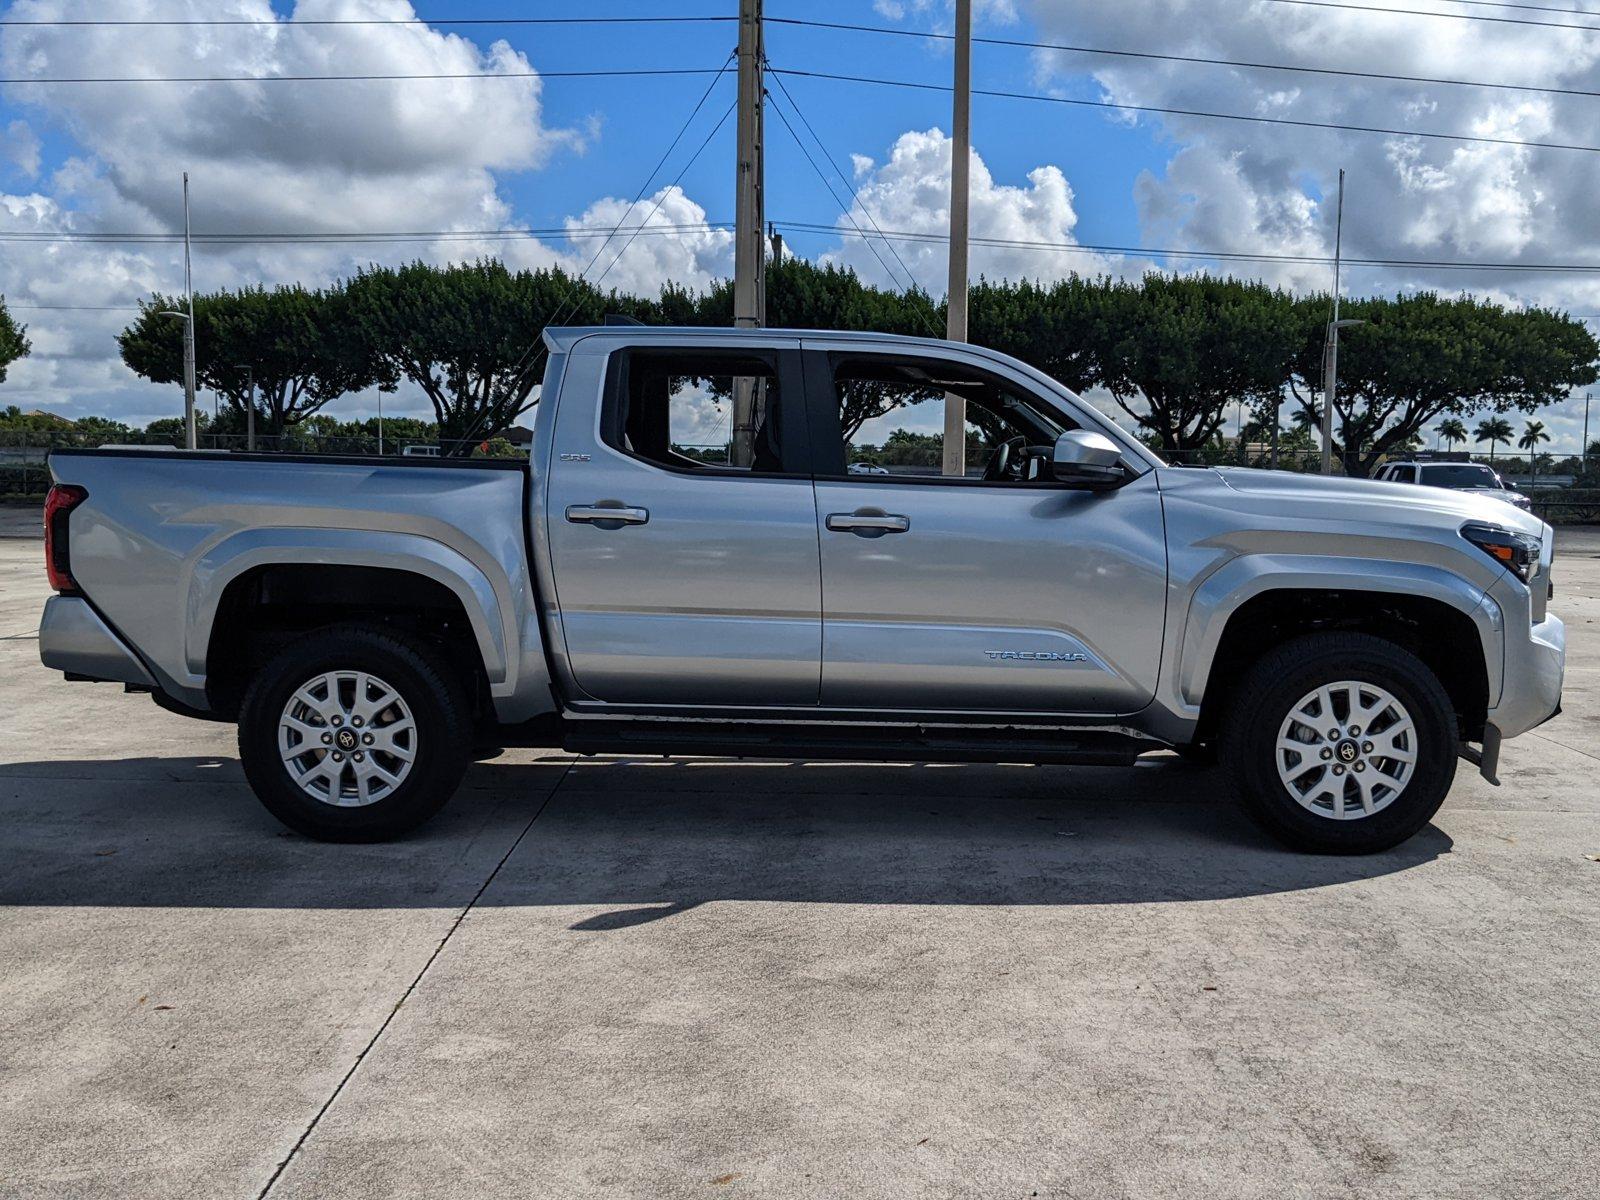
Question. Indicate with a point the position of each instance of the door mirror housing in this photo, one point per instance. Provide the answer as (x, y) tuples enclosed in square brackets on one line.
[(1086, 459)]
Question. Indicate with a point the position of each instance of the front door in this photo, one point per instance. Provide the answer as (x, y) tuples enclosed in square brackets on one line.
[(997, 590), (684, 529)]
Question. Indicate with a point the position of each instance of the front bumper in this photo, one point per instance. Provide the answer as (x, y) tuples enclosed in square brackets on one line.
[(73, 638), (1535, 662)]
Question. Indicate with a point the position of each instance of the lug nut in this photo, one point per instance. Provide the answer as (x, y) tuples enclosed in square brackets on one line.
[(337, 757), (1360, 766), (1366, 747), (1355, 731), (367, 738), (1333, 735), (338, 721), (326, 738), (356, 721), (1326, 753), (360, 757)]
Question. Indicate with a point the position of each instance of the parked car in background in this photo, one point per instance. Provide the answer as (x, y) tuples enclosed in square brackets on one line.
[(420, 451), (1457, 476), (370, 624)]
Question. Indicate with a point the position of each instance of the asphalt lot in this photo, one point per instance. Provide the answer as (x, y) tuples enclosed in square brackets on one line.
[(707, 978)]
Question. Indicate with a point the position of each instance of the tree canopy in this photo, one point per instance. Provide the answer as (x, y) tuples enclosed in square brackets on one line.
[(1421, 357), (13, 340), (468, 335), (1177, 354), (292, 340)]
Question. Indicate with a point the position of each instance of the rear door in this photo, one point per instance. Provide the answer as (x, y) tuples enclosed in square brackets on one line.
[(1005, 593), (682, 526)]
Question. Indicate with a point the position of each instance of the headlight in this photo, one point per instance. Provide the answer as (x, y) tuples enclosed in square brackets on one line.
[(1518, 552)]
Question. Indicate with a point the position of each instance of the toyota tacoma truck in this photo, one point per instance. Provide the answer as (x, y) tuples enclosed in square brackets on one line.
[(687, 564)]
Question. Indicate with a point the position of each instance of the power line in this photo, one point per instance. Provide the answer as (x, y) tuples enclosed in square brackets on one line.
[(809, 227), (307, 21), (334, 238), (1189, 112), (382, 77), (887, 270), (1018, 43), (908, 235), (1447, 16), (855, 194)]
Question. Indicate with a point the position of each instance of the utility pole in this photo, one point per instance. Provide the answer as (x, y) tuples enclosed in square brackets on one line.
[(1330, 383), (188, 328), (955, 407), (749, 253)]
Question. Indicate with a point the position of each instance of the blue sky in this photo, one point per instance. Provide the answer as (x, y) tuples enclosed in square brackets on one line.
[(476, 154)]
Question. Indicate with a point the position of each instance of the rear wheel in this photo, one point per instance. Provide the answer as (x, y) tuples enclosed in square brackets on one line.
[(1340, 743), (354, 734)]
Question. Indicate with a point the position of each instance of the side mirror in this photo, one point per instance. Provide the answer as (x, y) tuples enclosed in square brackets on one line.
[(1086, 459)]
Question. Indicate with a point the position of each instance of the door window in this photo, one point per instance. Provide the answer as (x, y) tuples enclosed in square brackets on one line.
[(702, 411), (892, 413)]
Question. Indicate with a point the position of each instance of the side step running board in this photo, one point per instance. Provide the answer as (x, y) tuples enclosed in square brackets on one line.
[(1082, 747)]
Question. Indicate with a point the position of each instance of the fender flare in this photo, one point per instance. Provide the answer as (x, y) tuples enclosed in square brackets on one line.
[(487, 610), (1214, 602)]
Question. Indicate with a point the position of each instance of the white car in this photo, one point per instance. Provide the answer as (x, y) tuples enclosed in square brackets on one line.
[(1457, 476)]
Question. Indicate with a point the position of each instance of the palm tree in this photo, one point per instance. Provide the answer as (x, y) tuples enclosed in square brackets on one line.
[(1492, 430), (1529, 441), (1452, 431)]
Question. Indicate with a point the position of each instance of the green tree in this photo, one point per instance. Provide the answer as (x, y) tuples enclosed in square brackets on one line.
[(1532, 434), (293, 341), (1492, 430), (1452, 431), (1422, 357), (14, 343), (1189, 347), (468, 335)]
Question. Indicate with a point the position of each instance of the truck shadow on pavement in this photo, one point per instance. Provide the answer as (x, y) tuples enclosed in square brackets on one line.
[(641, 840)]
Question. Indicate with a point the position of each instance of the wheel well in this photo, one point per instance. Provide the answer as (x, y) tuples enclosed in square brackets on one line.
[(1443, 637), (267, 607)]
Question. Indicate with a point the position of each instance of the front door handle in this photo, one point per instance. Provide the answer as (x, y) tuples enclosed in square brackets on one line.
[(607, 516), (868, 524)]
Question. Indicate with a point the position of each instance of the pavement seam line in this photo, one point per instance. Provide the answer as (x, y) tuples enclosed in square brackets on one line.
[(406, 995)]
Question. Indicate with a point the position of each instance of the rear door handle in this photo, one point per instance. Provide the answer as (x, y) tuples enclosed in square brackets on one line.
[(868, 524), (607, 516)]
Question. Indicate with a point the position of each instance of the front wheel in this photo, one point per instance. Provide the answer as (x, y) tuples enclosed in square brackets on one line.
[(354, 734), (1340, 743)]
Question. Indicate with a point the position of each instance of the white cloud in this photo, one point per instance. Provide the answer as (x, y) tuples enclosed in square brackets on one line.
[(639, 265), (1249, 187), (321, 157), (910, 192)]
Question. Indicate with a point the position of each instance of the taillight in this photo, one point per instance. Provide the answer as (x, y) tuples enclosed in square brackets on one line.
[(58, 506)]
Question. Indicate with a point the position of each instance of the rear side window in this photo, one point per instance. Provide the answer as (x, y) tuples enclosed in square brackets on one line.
[(703, 411)]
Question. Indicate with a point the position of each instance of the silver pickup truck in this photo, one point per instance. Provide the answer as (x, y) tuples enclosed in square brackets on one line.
[(744, 543)]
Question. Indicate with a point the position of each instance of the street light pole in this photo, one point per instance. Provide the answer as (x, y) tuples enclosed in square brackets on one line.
[(1331, 379), (188, 328)]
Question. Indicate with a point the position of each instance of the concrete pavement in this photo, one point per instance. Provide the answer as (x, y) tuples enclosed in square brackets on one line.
[(704, 978)]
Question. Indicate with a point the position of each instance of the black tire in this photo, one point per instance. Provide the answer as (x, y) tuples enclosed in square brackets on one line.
[(442, 737), (1276, 682)]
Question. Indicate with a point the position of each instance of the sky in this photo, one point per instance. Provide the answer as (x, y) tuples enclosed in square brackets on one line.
[(556, 155)]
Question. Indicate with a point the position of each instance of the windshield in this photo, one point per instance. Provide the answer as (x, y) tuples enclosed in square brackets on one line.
[(1461, 475)]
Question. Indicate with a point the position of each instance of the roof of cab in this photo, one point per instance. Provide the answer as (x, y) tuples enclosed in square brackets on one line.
[(561, 338)]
